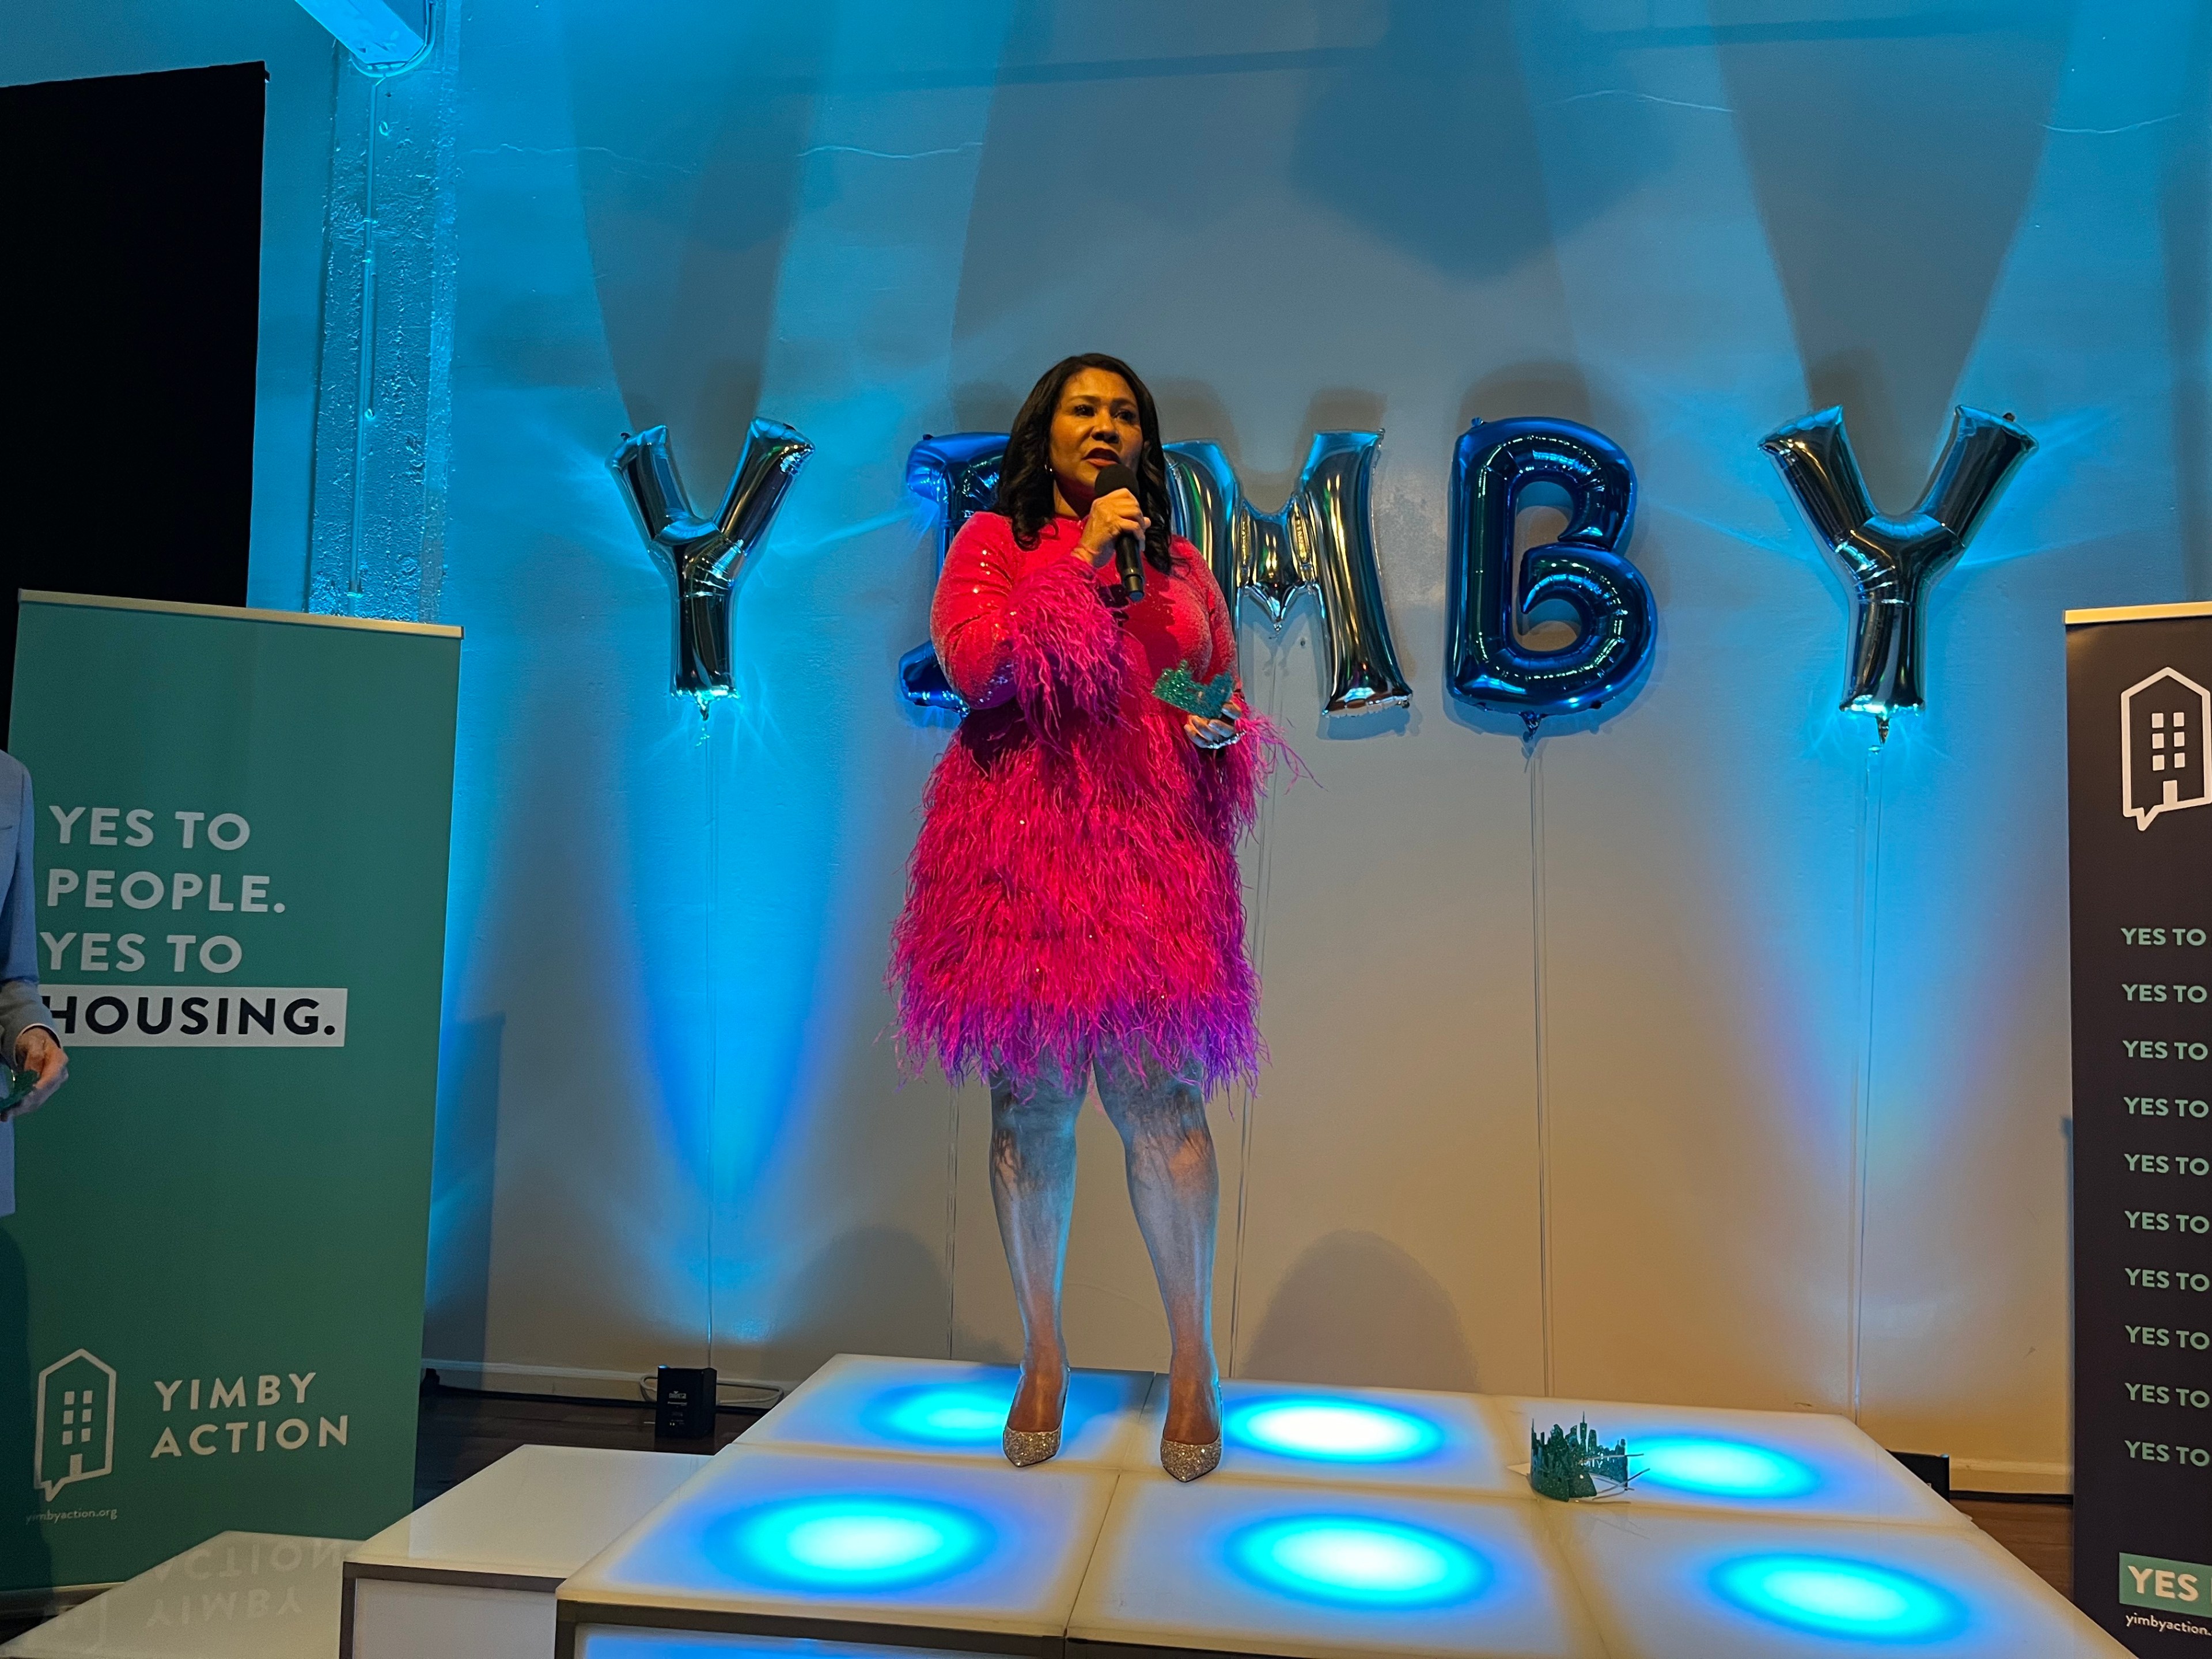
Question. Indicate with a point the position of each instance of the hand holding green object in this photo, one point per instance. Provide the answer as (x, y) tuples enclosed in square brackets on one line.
[(1209, 700), (41, 1066), (21, 1083)]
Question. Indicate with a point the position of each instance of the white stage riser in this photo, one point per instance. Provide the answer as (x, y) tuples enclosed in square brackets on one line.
[(389, 1618), (1747, 1532)]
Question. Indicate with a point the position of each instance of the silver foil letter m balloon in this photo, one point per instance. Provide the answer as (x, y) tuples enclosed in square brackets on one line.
[(1323, 539), (1891, 563), (704, 554)]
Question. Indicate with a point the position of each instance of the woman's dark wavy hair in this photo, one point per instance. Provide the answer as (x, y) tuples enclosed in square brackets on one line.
[(1026, 475)]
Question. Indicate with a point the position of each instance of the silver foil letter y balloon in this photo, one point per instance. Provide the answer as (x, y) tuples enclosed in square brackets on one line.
[(1891, 563), (704, 554), (1323, 539)]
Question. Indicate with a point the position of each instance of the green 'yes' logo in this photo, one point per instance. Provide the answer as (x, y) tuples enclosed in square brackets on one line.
[(2146, 1581)]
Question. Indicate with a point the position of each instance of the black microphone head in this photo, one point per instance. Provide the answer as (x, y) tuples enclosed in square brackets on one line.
[(1128, 550)]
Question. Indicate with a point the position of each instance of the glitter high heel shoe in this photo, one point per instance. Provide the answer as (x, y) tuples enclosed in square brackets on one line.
[(1188, 1460), (1025, 1447)]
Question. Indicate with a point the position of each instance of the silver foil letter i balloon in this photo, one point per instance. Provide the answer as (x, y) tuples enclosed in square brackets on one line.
[(958, 474), (1891, 564), (704, 554)]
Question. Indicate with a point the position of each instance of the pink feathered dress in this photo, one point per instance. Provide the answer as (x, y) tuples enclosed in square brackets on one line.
[(1075, 884)]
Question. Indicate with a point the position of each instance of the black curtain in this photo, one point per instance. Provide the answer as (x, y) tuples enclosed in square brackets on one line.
[(129, 303)]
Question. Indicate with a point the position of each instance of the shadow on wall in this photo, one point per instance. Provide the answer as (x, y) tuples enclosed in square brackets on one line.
[(984, 1350), (988, 405), (1892, 160), (1381, 1319), (1192, 410), (462, 1170), (25, 1561), (1427, 141), (1550, 387), (688, 197), (876, 1290), (2185, 195)]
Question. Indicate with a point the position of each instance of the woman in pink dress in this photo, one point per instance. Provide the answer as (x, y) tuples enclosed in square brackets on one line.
[(1073, 909)]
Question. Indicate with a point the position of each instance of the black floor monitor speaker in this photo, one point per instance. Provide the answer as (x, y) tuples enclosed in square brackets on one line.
[(683, 1405)]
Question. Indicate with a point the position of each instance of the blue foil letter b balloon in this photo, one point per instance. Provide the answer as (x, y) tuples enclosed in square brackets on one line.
[(1488, 666)]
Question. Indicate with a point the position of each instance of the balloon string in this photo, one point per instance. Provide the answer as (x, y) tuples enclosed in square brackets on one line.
[(364, 401), (952, 1216), (1262, 874), (1535, 769), (1869, 908), (714, 1026)]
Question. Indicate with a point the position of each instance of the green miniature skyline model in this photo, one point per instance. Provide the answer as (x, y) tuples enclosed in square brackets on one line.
[(1204, 699), (1568, 1464)]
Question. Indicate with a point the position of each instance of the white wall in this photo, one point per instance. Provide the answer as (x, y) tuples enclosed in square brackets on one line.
[(1684, 226), (1646, 949)]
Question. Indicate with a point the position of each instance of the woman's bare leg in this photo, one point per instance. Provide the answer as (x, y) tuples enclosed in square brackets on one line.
[(1175, 1187), (1033, 1189)]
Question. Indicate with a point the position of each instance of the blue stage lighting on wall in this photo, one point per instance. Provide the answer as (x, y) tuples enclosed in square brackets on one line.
[(1831, 1596), (853, 1543), (1332, 1431), (1730, 1468), (1356, 1561)]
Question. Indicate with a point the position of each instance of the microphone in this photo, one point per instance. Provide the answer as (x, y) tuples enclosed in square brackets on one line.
[(1128, 550)]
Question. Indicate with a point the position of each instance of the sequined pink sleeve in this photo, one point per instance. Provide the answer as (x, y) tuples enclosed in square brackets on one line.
[(1220, 621), (1010, 625), (967, 617)]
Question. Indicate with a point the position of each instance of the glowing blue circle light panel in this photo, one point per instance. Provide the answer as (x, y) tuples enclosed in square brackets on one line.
[(1831, 1596), (1727, 1468), (957, 1414), (1332, 1431), (854, 1543), (1354, 1561)]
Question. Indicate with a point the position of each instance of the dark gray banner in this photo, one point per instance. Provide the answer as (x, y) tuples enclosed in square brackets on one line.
[(2139, 704)]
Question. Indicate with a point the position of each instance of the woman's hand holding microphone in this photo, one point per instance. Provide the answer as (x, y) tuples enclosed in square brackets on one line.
[(1111, 515)]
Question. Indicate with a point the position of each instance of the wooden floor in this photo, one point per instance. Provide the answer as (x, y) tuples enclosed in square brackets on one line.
[(459, 1433), (462, 1432), (2038, 1530)]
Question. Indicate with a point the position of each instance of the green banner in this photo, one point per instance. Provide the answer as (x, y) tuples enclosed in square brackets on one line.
[(2152, 1581), (211, 1290)]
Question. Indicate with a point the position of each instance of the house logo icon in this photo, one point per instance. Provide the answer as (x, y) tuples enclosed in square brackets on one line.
[(76, 1422), (2166, 763)]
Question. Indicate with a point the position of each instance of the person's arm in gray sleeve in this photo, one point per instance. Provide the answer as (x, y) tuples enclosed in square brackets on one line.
[(22, 1012)]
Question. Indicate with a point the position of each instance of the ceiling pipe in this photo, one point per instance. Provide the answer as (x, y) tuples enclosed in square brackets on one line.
[(385, 36)]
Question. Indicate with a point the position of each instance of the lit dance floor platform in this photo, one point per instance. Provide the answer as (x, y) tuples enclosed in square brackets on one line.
[(871, 1513)]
